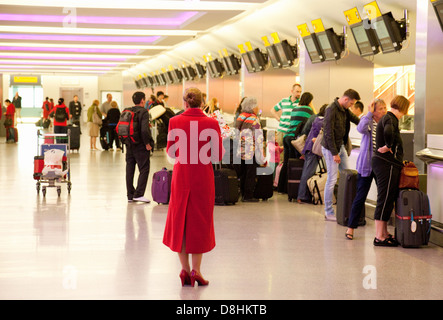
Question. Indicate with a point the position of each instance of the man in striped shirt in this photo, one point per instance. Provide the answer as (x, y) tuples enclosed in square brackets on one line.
[(286, 106)]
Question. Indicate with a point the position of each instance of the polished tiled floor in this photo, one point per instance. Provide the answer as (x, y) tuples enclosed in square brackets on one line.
[(92, 244)]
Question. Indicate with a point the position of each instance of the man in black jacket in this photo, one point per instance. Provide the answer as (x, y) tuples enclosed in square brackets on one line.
[(139, 153), (336, 126)]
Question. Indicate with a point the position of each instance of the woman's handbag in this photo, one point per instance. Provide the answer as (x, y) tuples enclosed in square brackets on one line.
[(316, 148), (96, 118), (409, 176), (299, 143), (8, 122)]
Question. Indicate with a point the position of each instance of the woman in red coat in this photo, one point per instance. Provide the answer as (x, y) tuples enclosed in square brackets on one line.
[(194, 140)]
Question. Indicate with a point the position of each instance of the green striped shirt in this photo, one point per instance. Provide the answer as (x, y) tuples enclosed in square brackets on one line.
[(298, 115), (286, 106)]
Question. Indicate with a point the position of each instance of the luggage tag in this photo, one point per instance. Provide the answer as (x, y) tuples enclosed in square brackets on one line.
[(413, 223)]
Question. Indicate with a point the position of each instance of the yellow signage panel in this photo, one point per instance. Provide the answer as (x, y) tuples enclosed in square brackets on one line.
[(304, 30), (249, 46), (353, 16), (373, 10), (266, 41), (28, 79), (241, 48), (275, 37), (318, 25)]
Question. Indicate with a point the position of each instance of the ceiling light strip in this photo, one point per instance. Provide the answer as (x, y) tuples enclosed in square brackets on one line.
[(139, 5), (61, 56), (176, 21), (76, 38), (96, 31), (86, 46)]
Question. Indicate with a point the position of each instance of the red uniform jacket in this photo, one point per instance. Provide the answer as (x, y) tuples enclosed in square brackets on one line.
[(193, 140)]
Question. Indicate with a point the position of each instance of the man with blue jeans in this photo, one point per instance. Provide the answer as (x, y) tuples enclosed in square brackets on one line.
[(336, 126)]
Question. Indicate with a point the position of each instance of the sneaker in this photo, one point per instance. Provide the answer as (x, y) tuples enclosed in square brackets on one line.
[(330, 217), (141, 199)]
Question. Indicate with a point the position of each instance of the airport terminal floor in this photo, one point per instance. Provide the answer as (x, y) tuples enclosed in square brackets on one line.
[(94, 245)]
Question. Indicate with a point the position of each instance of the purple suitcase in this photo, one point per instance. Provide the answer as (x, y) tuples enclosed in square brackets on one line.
[(161, 186)]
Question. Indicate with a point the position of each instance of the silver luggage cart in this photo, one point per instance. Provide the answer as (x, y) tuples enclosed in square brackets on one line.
[(51, 178)]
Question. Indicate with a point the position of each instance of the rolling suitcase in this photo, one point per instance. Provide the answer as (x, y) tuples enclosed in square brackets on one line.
[(295, 169), (226, 186), (347, 189), (12, 134), (264, 188), (74, 137), (412, 219), (161, 186), (104, 137)]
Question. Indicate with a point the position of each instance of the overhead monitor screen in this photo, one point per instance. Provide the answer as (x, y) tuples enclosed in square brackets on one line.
[(383, 36), (326, 46), (248, 63), (314, 54), (274, 57), (286, 53), (363, 42), (234, 64), (226, 65)]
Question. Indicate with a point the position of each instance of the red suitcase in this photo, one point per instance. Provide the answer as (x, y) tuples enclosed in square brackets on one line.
[(39, 163)]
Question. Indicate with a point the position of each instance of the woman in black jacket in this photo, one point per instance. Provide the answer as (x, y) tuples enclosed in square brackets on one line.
[(387, 163)]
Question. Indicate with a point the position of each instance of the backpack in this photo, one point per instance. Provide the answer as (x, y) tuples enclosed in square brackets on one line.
[(128, 126), (60, 114)]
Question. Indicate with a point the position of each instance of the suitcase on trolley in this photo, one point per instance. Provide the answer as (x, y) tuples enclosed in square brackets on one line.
[(412, 219), (347, 189), (226, 186), (75, 137), (161, 186), (39, 163), (295, 170)]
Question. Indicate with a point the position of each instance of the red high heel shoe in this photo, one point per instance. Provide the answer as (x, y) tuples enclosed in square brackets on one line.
[(197, 277), (185, 278)]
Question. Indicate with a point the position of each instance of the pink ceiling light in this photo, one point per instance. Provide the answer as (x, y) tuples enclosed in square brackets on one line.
[(93, 58), (47, 37), (166, 22), (59, 63), (74, 50)]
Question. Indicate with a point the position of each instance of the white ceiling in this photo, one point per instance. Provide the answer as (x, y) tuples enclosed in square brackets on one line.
[(137, 37)]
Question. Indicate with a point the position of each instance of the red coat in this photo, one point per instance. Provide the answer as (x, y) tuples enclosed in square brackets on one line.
[(191, 207)]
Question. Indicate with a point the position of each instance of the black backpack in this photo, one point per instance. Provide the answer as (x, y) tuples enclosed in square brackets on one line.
[(128, 126), (60, 114)]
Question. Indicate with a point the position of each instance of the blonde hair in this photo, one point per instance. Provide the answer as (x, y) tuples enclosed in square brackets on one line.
[(401, 104), (96, 102), (114, 104)]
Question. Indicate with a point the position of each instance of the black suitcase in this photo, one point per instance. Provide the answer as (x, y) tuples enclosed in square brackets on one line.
[(74, 137), (264, 187), (227, 189), (105, 137), (295, 170), (412, 219), (347, 189)]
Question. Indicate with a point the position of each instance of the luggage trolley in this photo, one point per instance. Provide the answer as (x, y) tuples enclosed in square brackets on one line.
[(47, 173)]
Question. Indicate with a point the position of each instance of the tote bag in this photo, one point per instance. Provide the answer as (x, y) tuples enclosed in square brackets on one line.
[(316, 148)]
